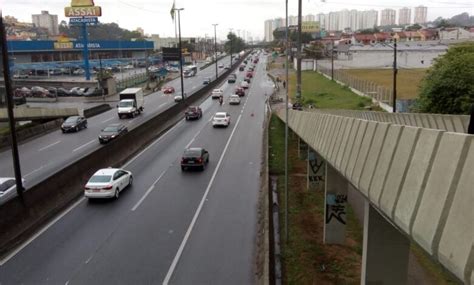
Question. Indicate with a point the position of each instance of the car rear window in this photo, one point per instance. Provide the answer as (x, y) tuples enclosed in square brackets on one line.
[(71, 119), (111, 129), (192, 153), (100, 178)]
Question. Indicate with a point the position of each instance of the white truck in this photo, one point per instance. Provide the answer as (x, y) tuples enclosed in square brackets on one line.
[(131, 102)]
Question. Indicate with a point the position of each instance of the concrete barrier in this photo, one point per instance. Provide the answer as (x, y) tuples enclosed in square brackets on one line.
[(455, 247), (90, 112), (419, 179), (413, 186), (31, 114), (398, 169), (25, 134), (439, 191)]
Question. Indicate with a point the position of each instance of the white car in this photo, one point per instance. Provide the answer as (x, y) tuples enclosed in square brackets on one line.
[(8, 188), (216, 93), (244, 84), (234, 99), (221, 119), (178, 98), (107, 183)]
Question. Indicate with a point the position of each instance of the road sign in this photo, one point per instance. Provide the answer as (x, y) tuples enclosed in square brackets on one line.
[(79, 21)]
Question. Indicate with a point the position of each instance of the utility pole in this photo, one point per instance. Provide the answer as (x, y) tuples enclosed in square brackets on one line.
[(286, 125), (11, 118), (215, 47), (298, 57), (332, 60), (395, 76), (180, 53), (230, 34)]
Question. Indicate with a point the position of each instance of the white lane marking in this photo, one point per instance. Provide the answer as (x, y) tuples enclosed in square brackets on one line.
[(152, 144), (36, 170), (198, 211), (84, 145), (161, 105), (36, 235), (48, 146), (89, 259), (148, 191), (107, 120), (189, 144)]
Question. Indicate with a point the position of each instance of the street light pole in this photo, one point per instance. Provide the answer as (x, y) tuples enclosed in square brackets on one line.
[(215, 46), (394, 109), (180, 52), (298, 59), (286, 126), (231, 47), (11, 118)]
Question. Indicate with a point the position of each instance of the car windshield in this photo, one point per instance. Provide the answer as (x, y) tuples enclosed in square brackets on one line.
[(192, 153), (100, 178), (111, 129), (126, 104), (71, 119)]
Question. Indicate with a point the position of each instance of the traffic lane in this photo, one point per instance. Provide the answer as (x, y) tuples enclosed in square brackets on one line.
[(221, 247), (91, 224), (35, 162), (157, 224)]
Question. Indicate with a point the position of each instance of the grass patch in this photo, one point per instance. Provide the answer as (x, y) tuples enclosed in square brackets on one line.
[(408, 80), (326, 94), (305, 259)]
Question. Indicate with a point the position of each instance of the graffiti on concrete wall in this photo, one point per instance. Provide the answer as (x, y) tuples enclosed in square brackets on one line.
[(336, 208)]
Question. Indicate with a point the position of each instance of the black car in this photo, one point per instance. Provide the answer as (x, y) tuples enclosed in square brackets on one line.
[(92, 91), (63, 92), (111, 132), (193, 112), (232, 78), (194, 157), (74, 124), (206, 81)]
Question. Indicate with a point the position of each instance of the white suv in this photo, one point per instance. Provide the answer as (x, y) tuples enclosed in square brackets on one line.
[(216, 93), (221, 119)]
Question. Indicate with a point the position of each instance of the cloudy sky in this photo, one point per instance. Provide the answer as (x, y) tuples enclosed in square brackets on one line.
[(199, 15)]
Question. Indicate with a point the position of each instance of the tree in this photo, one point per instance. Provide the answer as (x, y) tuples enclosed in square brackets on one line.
[(443, 23), (414, 27), (235, 42), (448, 86)]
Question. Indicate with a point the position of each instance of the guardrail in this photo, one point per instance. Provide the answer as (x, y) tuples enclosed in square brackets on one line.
[(50, 196)]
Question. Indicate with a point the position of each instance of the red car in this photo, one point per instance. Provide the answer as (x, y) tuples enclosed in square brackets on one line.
[(240, 91), (168, 90), (249, 74)]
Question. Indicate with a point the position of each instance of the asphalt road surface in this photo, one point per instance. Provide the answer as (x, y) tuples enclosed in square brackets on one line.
[(170, 227), (44, 155)]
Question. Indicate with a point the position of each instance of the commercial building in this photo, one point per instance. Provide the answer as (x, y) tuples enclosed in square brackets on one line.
[(404, 16), (48, 21), (23, 52), (160, 42), (421, 13), (387, 17)]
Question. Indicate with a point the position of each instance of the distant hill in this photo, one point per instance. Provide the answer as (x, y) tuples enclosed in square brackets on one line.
[(103, 31)]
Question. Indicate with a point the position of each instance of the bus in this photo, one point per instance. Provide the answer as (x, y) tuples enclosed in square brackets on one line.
[(190, 70)]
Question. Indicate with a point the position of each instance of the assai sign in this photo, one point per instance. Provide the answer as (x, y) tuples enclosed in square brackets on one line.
[(83, 8)]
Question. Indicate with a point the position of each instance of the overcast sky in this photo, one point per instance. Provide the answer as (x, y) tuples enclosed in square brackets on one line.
[(199, 15)]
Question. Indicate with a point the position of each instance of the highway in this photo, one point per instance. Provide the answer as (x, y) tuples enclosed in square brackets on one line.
[(170, 227), (44, 155)]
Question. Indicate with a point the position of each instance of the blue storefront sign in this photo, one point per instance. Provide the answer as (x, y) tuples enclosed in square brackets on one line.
[(80, 21)]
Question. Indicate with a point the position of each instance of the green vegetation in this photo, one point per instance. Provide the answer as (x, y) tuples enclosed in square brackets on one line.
[(305, 259), (236, 43), (408, 80), (448, 87), (436, 271), (326, 94)]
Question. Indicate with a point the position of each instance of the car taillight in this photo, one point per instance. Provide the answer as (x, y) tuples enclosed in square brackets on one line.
[(199, 160), (108, 187), (182, 159)]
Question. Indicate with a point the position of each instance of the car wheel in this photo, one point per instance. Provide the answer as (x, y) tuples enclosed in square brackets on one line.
[(186, 118), (85, 126), (130, 181), (76, 129), (182, 168), (63, 131), (117, 193)]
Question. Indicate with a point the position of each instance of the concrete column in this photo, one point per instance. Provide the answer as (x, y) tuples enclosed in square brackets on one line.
[(386, 251), (316, 170), (302, 149), (335, 210)]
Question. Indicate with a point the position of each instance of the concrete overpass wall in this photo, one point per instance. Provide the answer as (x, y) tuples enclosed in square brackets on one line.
[(450, 123), (420, 179), (27, 114)]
